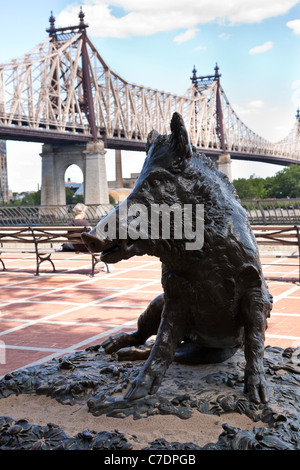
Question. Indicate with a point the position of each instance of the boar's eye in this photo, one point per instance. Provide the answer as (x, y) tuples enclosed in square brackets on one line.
[(155, 183), (145, 186), (154, 180), (170, 187)]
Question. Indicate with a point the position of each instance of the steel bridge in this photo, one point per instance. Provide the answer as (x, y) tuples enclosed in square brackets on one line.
[(63, 91)]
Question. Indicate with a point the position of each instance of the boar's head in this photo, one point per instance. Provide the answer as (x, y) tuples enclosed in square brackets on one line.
[(173, 173)]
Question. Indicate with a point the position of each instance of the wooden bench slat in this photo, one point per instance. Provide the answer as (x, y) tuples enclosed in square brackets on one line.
[(278, 235)]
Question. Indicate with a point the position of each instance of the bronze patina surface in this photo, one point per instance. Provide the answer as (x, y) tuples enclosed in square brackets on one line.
[(94, 380), (215, 297)]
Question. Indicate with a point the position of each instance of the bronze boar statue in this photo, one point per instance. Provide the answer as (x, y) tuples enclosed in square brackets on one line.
[(215, 298)]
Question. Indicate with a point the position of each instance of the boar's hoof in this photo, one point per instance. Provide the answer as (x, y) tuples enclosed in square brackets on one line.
[(133, 354), (256, 387), (144, 384), (116, 342)]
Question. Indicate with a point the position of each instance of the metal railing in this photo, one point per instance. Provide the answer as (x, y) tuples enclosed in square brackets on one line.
[(273, 211), (259, 211), (48, 215)]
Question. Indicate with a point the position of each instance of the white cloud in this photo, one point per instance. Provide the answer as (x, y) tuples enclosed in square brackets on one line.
[(200, 48), (256, 104), (224, 36), (189, 34), (294, 25), (296, 93), (262, 118), (250, 108), (263, 48), (151, 16)]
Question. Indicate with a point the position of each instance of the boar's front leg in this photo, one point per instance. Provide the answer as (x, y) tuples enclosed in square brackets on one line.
[(147, 326), (255, 311), (171, 332)]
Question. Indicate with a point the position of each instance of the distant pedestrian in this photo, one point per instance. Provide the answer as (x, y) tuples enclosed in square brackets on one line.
[(79, 220)]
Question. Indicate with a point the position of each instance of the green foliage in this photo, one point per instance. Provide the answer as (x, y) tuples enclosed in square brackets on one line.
[(71, 198), (78, 198), (112, 200), (32, 199), (285, 184), (250, 188), (28, 199)]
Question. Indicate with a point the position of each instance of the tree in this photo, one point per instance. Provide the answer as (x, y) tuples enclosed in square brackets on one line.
[(286, 183), (31, 199), (71, 198), (250, 188)]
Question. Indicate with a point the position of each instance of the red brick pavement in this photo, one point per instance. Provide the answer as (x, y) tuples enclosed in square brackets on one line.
[(57, 313)]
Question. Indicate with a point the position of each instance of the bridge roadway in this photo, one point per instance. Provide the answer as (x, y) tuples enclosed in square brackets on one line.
[(22, 133)]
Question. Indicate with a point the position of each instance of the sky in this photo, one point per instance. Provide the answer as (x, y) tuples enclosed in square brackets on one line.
[(156, 43)]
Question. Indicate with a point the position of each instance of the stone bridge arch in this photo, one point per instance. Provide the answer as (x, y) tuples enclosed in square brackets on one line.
[(90, 158), (73, 174)]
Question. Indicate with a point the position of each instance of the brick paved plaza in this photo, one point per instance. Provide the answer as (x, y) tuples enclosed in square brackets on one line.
[(57, 313)]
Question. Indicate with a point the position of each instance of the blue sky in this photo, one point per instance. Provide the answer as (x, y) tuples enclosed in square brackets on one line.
[(156, 43)]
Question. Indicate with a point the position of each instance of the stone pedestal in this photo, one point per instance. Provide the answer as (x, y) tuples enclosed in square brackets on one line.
[(90, 158), (95, 187), (224, 164)]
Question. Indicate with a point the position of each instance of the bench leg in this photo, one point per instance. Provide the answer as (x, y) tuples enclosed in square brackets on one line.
[(298, 237), (3, 265), (40, 260), (95, 261)]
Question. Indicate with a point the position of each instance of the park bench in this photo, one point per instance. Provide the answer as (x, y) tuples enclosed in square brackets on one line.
[(43, 241), (279, 235)]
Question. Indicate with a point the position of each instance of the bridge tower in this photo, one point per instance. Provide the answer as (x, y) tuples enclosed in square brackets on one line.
[(223, 163), (90, 156)]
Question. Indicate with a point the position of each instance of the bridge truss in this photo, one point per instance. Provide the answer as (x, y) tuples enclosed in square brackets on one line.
[(64, 91)]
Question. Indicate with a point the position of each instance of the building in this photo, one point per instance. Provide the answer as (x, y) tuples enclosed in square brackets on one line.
[(72, 185)]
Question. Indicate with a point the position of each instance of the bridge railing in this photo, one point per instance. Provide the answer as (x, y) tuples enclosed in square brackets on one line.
[(273, 211), (259, 211), (48, 215)]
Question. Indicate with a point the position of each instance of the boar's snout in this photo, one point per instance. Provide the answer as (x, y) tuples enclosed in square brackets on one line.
[(94, 244), (112, 251)]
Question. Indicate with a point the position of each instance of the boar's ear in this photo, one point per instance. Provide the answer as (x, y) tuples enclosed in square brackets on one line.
[(180, 141), (151, 138)]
